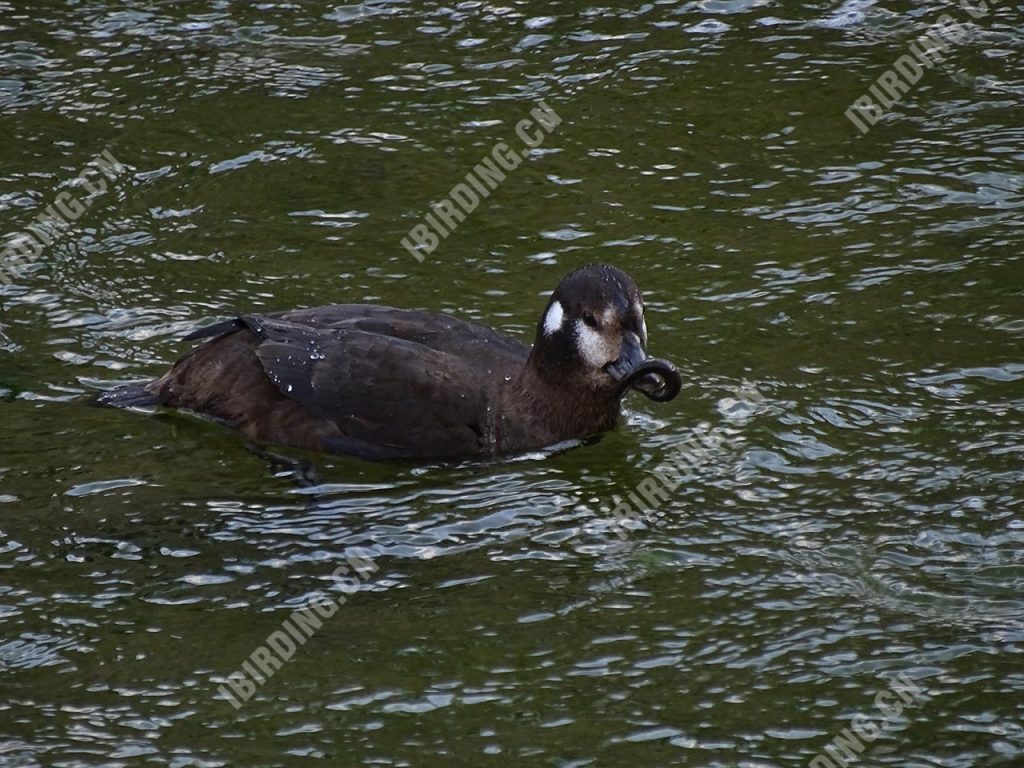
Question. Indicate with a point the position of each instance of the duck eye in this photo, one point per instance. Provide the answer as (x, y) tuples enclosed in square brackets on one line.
[(589, 319)]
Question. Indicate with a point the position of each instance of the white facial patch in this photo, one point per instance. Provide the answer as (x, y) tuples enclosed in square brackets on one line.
[(595, 348), (554, 317), (643, 323)]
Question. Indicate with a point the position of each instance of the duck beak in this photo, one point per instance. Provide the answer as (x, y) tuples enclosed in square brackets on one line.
[(657, 379), (631, 354)]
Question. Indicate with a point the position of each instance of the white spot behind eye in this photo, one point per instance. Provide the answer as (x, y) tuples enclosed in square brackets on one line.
[(554, 317)]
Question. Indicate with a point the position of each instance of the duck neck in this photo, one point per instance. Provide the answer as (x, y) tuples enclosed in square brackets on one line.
[(543, 409)]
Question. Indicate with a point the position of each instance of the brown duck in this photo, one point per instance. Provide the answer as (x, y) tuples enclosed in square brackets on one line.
[(387, 383)]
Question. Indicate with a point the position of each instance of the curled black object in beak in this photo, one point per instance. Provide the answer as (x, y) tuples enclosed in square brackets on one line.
[(657, 379)]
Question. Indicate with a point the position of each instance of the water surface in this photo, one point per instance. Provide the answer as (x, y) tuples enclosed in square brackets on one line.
[(846, 310)]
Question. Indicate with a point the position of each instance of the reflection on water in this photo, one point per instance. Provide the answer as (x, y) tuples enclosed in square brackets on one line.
[(845, 309)]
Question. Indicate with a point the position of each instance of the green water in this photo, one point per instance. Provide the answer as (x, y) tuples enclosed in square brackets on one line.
[(847, 312)]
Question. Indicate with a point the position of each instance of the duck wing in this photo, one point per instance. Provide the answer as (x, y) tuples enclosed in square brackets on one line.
[(389, 397), (487, 347)]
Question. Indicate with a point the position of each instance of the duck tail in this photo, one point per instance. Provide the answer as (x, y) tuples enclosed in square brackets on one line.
[(135, 395)]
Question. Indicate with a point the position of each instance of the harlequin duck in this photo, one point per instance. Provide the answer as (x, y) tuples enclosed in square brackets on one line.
[(399, 384)]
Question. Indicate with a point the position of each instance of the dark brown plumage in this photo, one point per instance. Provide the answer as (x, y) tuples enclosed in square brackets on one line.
[(387, 383)]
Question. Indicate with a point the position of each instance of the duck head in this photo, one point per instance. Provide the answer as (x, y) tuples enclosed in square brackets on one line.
[(593, 336)]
